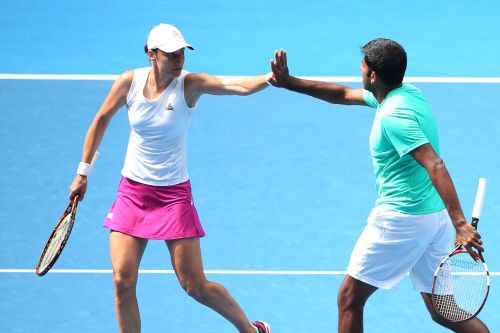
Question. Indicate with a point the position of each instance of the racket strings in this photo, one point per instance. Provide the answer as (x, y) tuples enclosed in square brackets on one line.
[(59, 236), (460, 287)]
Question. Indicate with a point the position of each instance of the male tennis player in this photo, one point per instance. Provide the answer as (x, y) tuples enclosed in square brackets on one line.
[(409, 230)]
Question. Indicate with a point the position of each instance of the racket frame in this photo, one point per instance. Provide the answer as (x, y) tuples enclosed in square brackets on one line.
[(71, 209), (476, 213), (459, 250)]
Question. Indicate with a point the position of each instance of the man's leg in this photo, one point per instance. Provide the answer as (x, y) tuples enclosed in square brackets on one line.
[(470, 326), (351, 300)]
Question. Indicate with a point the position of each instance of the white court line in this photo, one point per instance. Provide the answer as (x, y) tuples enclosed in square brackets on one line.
[(207, 271), (469, 273), (77, 77), (170, 271), (99, 77)]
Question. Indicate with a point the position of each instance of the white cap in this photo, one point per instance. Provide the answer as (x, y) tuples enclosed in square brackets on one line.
[(167, 38)]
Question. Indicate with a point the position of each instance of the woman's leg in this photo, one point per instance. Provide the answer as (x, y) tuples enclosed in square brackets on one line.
[(126, 254), (186, 260)]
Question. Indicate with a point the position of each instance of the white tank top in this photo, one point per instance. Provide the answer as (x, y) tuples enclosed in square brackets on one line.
[(157, 151)]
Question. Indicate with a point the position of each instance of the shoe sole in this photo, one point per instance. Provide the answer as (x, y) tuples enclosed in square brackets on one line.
[(266, 326)]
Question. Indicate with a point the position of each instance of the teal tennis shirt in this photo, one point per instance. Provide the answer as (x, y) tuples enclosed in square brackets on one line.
[(403, 122)]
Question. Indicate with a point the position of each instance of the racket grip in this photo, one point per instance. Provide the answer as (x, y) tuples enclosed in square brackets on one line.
[(478, 204)]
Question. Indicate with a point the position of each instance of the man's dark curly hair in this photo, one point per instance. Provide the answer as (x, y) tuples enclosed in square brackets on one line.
[(387, 58)]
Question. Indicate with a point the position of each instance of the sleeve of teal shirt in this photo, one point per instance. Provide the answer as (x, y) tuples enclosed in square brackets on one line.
[(403, 130), (370, 100)]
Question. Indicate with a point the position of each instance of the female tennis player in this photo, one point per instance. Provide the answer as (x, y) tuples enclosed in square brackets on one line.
[(154, 199)]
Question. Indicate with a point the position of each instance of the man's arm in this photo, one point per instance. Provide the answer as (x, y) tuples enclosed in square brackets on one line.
[(329, 92), (429, 159)]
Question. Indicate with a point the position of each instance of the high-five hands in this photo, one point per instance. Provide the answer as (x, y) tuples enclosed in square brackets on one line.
[(279, 67)]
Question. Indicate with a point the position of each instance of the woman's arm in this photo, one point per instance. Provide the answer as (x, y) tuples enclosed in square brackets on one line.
[(116, 98), (196, 85)]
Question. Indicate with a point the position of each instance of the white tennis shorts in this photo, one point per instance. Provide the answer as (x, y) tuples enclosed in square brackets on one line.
[(393, 244)]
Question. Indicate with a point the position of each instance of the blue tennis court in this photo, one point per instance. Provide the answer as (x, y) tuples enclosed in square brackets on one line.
[(282, 182)]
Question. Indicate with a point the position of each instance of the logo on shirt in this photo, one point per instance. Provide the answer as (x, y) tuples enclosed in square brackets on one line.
[(170, 107)]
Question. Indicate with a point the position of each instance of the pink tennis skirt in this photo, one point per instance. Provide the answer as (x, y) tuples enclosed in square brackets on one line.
[(154, 212)]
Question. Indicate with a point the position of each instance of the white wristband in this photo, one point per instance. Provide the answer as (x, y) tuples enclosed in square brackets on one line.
[(84, 169), (268, 78)]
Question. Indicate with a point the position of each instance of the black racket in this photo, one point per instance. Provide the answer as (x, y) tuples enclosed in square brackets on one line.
[(59, 236), (462, 283)]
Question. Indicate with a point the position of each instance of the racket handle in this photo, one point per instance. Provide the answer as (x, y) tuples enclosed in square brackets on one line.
[(478, 204)]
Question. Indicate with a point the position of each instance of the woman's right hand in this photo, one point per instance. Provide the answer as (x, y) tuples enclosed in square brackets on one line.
[(79, 186)]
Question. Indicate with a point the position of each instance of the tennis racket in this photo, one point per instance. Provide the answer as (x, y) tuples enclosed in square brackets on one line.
[(59, 236), (462, 283)]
